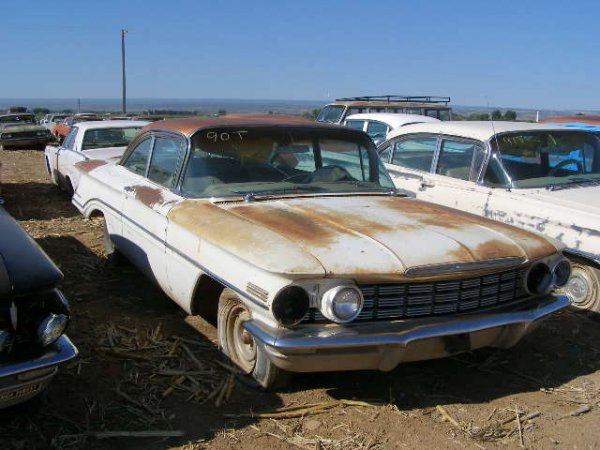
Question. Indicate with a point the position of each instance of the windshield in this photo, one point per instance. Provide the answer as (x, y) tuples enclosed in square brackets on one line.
[(17, 119), (331, 114), (226, 162), (108, 137), (549, 158), (58, 118)]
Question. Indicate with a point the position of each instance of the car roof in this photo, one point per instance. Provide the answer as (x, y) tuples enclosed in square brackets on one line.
[(394, 120), (482, 131), (96, 124), (189, 126)]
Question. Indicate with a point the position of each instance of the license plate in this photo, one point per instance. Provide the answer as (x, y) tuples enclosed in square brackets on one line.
[(20, 392)]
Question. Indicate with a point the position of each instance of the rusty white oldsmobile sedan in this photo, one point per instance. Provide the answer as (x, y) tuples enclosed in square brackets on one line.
[(540, 177), (292, 233), (87, 140)]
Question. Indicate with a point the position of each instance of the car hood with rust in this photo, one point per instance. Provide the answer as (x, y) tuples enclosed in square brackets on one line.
[(20, 128), (354, 236)]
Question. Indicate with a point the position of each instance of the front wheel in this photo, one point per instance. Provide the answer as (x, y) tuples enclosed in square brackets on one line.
[(241, 347), (583, 290)]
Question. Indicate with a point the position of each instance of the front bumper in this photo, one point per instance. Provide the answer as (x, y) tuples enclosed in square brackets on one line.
[(24, 142), (383, 345), (23, 380)]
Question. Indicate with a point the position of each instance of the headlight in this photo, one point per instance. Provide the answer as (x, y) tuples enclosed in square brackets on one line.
[(6, 136), (290, 305), (540, 279), (562, 272), (51, 328), (342, 304)]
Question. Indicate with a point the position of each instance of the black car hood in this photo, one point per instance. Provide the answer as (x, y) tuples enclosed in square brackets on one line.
[(24, 267)]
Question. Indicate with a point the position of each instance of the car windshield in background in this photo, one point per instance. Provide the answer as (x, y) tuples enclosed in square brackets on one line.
[(549, 158), (225, 162), (17, 119), (108, 137), (331, 114)]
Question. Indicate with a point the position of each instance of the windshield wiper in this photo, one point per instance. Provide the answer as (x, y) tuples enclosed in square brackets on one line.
[(573, 182)]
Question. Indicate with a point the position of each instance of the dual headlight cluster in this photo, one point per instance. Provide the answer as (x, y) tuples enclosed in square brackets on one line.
[(340, 304), (544, 276)]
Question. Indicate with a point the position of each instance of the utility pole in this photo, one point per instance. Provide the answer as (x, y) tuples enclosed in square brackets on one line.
[(124, 82)]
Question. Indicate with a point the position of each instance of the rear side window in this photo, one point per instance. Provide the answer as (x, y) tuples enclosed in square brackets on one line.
[(70, 138), (415, 153), (165, 161), (137, 161), (456, 159), (356, 124), (377, 131)]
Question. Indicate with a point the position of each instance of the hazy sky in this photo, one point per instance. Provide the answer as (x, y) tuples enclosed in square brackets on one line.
[(537, 54)]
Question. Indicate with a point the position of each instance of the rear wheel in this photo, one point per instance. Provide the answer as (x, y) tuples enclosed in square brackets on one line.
[(583, 290), (241, 347)]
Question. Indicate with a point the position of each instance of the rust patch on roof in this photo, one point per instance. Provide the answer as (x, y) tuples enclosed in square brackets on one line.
[(147, 195), (190, 125), (595, 120), (90, 164)]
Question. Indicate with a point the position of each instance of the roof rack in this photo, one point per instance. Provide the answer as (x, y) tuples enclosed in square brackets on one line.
[(396, 98)]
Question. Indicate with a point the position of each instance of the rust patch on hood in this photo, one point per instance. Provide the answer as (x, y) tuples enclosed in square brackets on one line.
[(90, 164), (148, 196)]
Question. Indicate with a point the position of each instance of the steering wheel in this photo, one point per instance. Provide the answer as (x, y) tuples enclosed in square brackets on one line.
[(566, 162), (329, 173)]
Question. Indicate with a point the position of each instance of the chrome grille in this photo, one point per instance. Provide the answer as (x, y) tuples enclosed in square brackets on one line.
[(406, 300)]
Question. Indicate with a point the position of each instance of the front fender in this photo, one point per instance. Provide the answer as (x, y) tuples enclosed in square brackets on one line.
[(581, 257)]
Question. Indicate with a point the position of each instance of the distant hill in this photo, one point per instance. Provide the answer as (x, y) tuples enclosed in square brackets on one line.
[(213, 106)]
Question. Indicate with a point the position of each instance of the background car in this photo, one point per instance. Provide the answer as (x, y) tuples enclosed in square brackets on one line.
[(541, 177), (33, 316), (424, 105), (589, 123), (87, 141), (21, 130), (291, 236), (378, 125), (61, 129), (50, 120)]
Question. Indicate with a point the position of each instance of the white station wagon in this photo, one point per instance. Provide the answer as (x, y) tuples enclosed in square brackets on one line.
[(293, 235), (87, 140), (544, 178)]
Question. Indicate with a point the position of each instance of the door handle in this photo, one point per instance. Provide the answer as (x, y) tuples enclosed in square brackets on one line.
[(128, 188), (426, 183)]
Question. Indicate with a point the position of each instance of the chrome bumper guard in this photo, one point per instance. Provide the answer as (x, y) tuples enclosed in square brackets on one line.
[(17, 387), (383, 345)]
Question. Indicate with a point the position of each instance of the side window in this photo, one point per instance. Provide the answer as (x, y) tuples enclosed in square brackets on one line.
[(355, 159), (138, 158), (384, 153), (377, 131), (165, 160), (456, 159), (415, 153), (494, 175), (70, 138), (357, 124)]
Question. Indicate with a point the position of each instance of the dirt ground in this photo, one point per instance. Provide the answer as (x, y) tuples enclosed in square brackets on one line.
[(146, 368)]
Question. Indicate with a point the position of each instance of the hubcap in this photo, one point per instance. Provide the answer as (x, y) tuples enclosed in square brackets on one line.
[(243, 347), (581, 288)]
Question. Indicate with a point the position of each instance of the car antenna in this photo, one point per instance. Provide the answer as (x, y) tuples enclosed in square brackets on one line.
[(487, 100)]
